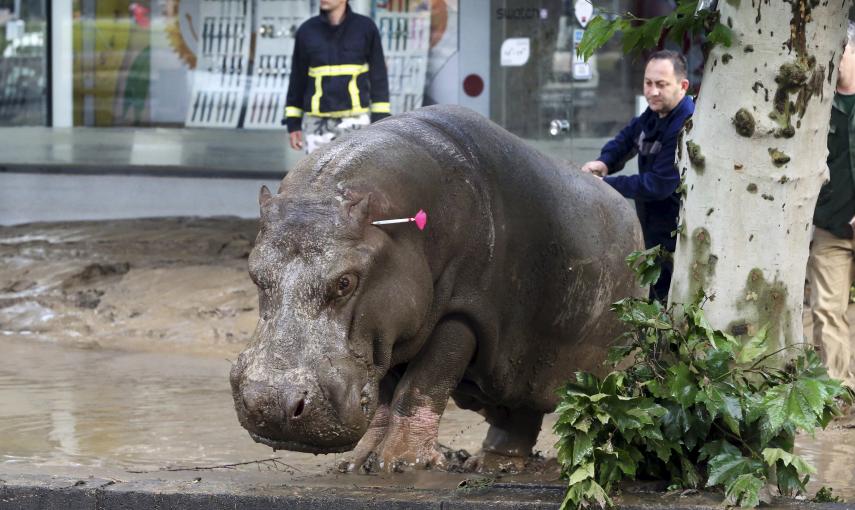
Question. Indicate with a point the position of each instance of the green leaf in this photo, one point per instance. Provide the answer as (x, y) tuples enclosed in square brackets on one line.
[(744, 491), (583, 424), (794, 405), (612, 383), (583, 447), (789, 483), (754, 348), (646, 264), (609, 471), (618, 353), (724, 468), (715, 448), (652, 31), (598, 32), (630, 39), (690, 475), (628, 459), (773, 455), (584, 494), (583, 472), (720, 34), (586, 383), (663, 448), (682, 384)]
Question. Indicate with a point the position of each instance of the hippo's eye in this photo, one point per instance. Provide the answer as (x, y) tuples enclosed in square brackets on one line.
[(345, 285)]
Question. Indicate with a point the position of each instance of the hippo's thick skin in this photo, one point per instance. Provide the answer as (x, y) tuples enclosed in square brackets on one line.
[(365, 331)]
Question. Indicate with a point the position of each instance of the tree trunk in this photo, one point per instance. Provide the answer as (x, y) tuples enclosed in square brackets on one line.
[(753, 162)]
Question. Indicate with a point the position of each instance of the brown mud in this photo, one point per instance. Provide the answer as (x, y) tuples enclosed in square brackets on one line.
[(116, 340), (166, 285)]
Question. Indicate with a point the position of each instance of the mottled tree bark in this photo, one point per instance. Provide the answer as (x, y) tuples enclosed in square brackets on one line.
[(753, 160)]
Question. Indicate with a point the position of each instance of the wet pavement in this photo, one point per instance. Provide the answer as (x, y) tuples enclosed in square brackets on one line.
[(69, 410), (73, 407), (116, 340)]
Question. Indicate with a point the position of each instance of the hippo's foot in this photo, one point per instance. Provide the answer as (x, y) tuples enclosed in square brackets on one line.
[(364, 458), (409, 443), (491, 462)]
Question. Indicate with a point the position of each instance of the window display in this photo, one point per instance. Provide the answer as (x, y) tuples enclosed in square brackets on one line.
[(221, 63)]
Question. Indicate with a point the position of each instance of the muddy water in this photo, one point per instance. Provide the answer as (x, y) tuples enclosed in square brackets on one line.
[(62, 406), (114, 339)]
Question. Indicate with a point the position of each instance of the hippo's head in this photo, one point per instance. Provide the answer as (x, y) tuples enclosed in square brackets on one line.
[(335, 295)]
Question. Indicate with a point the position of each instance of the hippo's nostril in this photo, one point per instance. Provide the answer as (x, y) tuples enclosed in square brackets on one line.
[(298, 410)]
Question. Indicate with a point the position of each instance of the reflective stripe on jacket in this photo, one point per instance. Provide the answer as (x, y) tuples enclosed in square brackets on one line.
[(337, 70)]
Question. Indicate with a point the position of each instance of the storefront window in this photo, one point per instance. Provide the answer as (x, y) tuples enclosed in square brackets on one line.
[(23, 63), (537, 78), (222, 63)]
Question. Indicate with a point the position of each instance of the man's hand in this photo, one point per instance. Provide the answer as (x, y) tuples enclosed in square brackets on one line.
[(296, 140), (596, 167)]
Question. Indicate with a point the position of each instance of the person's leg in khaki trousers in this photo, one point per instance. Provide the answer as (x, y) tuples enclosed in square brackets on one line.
[(830, 271)]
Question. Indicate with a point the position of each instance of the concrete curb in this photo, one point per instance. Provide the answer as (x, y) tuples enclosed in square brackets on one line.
[(36, 492)]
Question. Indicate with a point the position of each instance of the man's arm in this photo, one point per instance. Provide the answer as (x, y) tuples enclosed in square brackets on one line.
[(379, 78), (296, 88), (656, 184), (616, 152)]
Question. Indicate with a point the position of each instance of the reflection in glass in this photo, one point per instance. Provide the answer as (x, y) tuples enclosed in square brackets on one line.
[(23, 71)]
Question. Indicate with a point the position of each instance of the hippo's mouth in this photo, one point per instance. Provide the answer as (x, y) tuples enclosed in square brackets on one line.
[(295, 446)]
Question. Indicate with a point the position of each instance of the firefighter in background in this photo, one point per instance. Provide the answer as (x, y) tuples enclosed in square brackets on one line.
[(338, 77)]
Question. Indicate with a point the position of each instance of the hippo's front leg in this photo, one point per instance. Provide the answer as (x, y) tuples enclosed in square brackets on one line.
[(377, 429), (421, 396)]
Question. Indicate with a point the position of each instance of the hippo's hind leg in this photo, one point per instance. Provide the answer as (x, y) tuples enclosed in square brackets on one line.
[(512, 435), (421, 396)]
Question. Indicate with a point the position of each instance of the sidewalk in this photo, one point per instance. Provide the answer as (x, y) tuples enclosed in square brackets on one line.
[(174, 152)]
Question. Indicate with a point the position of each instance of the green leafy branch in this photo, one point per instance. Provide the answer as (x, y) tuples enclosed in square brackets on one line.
[(641, 33), (693, 405), (647, 264)]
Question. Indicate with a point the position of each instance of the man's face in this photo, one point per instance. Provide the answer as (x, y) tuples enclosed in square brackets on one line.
[(662, 89), (331, 5)]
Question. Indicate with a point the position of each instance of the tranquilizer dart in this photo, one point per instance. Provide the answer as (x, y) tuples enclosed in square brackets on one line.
[(420, 219)]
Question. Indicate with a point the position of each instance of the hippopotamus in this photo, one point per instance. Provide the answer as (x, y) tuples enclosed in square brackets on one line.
[(366, 330)]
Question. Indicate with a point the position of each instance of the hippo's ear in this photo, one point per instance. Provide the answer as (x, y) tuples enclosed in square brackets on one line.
[(264, 196), (360, 209), (356, 210)]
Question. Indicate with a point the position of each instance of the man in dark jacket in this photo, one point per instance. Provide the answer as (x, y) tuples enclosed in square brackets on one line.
[(338, 76), (832, 262), (653, 136)]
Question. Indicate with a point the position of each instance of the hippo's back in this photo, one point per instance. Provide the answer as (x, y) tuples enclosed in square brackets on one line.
[(558, 243)]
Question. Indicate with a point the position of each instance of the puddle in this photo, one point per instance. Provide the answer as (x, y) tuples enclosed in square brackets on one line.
[(110, 332), (62, 406)]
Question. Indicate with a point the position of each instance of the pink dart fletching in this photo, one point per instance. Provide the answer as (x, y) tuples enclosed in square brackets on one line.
[(421, 219)]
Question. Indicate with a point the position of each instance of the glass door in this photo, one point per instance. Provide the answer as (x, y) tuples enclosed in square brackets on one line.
[(542, 92)]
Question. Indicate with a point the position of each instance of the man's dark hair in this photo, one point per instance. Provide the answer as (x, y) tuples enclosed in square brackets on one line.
[(677, 60)]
